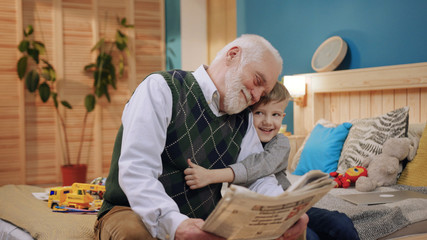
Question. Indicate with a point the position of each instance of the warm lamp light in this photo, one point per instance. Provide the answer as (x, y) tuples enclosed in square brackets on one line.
[(297, 88)]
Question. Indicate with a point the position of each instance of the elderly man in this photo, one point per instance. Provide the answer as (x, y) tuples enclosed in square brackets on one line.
[(176, 115)]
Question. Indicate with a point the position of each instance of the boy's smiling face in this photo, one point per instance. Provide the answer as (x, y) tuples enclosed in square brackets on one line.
[(268, 119)]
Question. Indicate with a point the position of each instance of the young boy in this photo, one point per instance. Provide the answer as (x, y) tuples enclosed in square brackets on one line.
[(268, 114)]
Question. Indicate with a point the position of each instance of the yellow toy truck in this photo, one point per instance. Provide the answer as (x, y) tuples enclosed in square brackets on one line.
[(79, 196), (57, 196)]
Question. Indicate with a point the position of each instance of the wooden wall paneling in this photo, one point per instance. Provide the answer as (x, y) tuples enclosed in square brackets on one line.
[(400, 98), (40, 117), (147, 47), (354, 106), (193, 33), (131, 57), (21, 95), (423, 108), (105, 25), (388, 101), (109, 131), (95, 168), (344, 106), (366, 79), (161, 29), (12, 145), (409, 88), (365, 105), (299, 117), (58, 60), (97, 144), (376, 103), (107, 116), (308, 121), (30, 132), (326, 107), (113, 113), (222, 26), (335, 107), (104, 132), (78, 38), (149, 38), (414, 103), (22, 151), (147, 55), (300, 114), (108, 12)]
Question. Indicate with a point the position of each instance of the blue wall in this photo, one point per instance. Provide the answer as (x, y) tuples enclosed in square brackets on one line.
[(378, 33), (173, 34)]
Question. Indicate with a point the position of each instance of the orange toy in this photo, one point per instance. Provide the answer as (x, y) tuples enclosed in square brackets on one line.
[(350, 176)]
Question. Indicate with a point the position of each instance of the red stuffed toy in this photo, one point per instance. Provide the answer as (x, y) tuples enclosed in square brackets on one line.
[(350, 176)]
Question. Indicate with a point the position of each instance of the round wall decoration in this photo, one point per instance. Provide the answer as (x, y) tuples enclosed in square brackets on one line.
[(329, 54)]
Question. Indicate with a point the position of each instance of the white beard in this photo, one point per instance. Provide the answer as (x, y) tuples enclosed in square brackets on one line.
[(234, 102)]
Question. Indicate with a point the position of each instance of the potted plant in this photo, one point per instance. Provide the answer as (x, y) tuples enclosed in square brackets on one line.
[(40, 76)]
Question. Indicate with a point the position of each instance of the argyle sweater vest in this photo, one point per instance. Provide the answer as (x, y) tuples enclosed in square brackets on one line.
[(194, 132)]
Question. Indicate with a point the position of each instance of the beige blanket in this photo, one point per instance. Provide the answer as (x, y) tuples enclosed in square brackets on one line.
[(19, 207)]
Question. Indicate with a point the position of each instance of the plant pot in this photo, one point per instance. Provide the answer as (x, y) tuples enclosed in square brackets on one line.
[(73, 173)]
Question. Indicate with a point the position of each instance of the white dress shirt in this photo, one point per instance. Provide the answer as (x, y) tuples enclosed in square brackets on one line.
[(145, 119)]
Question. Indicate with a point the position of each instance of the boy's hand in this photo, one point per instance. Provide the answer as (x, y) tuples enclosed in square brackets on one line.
[(196, 176)]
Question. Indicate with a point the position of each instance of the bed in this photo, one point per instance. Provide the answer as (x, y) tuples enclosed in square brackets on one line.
[(335, 97), (26, 217), (395, 96)]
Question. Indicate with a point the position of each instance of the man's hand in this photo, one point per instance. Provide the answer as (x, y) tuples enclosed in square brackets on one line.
[(191, 229), (196, 176), (296, 230)]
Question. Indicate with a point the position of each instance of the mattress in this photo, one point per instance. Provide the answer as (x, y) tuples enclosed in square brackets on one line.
[(20, 210)]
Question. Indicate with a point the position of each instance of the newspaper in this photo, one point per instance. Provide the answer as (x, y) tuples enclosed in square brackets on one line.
[(244, 214)]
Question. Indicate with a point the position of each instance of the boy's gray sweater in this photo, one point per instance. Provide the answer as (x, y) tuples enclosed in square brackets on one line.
[(273, 160)]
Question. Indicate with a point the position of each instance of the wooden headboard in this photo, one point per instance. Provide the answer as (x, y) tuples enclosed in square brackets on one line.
[(360, 93)]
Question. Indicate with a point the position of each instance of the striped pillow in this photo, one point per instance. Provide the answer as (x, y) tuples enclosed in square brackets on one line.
[(367, 136)]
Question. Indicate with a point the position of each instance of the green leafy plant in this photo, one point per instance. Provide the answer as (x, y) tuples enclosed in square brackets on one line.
[(104, 69), (40, 75)]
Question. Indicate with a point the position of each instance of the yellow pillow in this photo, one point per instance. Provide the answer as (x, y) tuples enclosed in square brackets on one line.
[(415, 172)]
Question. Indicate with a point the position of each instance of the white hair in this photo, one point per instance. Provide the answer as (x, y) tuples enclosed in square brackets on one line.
[(253, 46)]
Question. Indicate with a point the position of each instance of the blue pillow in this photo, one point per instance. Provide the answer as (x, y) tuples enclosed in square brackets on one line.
[(323, 149)]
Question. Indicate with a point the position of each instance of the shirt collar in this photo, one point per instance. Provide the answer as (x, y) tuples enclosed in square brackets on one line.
[(210, 92)]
